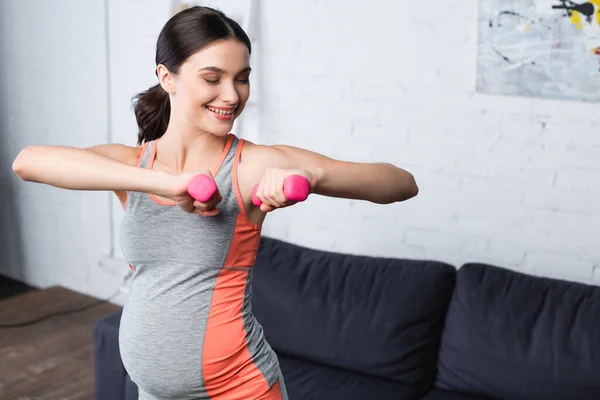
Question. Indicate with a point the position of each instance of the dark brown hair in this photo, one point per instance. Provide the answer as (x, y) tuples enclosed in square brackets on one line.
[(183, 35)]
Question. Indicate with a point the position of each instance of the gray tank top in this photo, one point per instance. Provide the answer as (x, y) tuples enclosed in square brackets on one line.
[(187, 330)]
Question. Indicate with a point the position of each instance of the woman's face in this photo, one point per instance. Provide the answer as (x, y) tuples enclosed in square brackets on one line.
[(212, 86)]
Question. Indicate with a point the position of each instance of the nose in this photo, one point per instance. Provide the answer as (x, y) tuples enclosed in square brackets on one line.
[(230, 94)]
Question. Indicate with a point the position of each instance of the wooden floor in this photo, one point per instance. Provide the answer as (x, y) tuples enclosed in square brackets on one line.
[(10, 287), (53, 359)]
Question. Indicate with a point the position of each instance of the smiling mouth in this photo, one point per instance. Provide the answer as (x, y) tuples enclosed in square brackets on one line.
[(221, 114), (220, 111)]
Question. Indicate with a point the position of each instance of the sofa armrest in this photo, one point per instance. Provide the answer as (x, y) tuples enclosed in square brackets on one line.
[(131, 389), (109, 372)]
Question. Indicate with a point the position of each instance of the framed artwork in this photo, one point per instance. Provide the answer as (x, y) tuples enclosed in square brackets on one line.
[(539, 48)]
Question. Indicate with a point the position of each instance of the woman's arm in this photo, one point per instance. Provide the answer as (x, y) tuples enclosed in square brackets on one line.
[(381, 183), (105, 167)]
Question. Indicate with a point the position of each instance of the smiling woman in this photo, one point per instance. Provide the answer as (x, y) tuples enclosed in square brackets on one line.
[(188, 79), (187, 330)]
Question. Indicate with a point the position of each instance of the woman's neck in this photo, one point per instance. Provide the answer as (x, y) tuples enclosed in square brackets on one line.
[(183, 148)]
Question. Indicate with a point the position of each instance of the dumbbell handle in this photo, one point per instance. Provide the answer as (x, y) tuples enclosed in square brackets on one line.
[(295, 188)]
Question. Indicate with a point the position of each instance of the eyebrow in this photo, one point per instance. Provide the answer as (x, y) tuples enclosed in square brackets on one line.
[(222, 71)]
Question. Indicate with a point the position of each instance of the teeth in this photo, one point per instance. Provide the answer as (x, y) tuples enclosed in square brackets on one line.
[(222, 112)]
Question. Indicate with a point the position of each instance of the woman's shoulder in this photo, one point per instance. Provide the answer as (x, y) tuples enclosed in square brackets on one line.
[(129, 155), (262, 154), (119, 152)]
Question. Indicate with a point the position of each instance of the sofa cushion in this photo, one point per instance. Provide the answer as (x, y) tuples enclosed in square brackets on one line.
[(131, 389), (376, 316), (514, 336), (109, 373), (438, 394), (308, 381)]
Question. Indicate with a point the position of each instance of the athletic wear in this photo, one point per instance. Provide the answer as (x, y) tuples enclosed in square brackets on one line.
[(187, 330)]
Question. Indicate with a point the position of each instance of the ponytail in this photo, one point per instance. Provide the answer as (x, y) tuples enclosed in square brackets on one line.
[(152, 110), (183, 35)]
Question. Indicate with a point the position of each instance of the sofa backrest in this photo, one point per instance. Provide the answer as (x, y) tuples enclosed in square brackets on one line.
[(515, 336), (378, 316)]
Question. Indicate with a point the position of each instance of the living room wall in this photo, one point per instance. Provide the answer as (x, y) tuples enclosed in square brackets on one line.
[(505, 180)]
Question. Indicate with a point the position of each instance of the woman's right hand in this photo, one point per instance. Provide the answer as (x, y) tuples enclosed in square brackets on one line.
[(178, 192), (108, 167)]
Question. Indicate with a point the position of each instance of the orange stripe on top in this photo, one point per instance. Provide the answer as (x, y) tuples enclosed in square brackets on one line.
[(236, 187), (246, 235), (224, 153), (229, 372)]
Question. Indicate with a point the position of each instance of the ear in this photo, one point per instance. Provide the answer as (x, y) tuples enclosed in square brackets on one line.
[(165, 78)]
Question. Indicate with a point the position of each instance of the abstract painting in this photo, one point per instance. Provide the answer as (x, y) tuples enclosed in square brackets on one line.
[(539, 48)]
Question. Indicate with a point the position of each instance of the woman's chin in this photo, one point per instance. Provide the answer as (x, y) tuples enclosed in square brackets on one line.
[(218, 129), (217, 126)]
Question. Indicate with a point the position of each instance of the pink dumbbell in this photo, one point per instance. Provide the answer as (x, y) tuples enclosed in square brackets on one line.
[(202, 188), (295, 188)]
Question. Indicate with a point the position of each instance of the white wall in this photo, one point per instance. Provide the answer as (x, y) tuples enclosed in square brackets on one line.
[(133, 28), (503, 180), (54, 91)]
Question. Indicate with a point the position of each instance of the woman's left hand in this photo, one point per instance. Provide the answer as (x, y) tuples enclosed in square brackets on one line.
[(270, 187)]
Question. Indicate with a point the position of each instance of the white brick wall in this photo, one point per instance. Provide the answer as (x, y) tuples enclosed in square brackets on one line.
[(52, 91), (508, 181)]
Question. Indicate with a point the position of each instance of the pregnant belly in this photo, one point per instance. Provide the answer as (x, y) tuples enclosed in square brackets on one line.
[(195, 348), (169, 357), (162, 351)]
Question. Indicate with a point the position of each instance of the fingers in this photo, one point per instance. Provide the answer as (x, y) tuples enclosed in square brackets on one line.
[(210, 204), (208, 209), (270, 190), (209, 213), (266, 208), (187, 205)]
